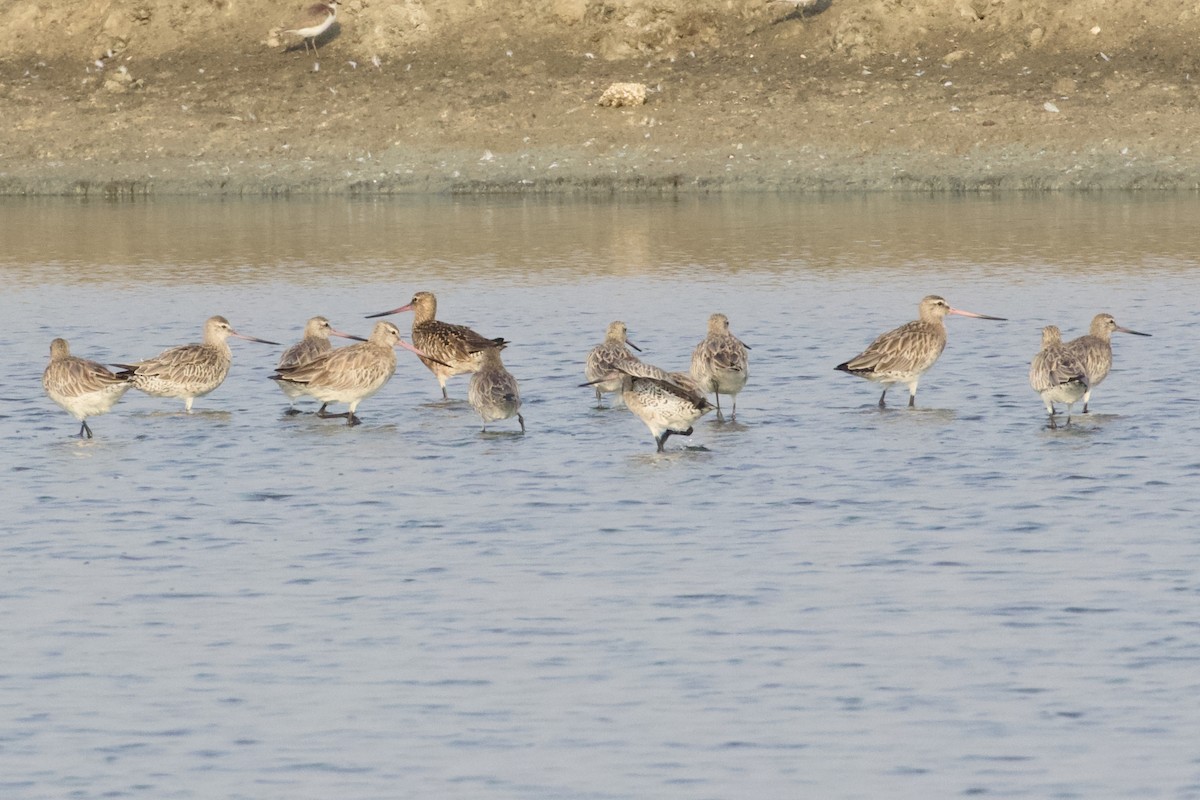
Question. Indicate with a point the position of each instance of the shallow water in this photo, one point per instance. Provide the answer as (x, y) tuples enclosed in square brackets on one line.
[(821, 600)]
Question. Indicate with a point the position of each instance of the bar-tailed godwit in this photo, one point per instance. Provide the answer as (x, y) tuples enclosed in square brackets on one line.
[(606, 356), (721, 363), (349, 374), (493, 391), (83, 388), (1094, 349), (189, 370), (450, 349), (1057, 374), (667, 402), (904, 354), (314, 345)]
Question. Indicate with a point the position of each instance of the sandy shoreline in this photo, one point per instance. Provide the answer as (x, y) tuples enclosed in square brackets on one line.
[(922, 95), (569, 173)]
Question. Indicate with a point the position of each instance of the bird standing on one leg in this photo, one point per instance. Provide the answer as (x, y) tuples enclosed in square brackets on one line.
[(83, 388)]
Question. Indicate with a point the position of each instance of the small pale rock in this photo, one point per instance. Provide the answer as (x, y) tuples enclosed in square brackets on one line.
[(1053, 109), (1065, 86), (623, 94)]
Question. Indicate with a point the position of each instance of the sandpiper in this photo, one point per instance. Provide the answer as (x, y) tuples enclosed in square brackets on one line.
[(314, 345), (349, 374), (667, 402), (313, 21), (190, 370), (1094, 349), (450, 349), (607, 355), (1057, 374), (904, 354), (83, 388), (720, 363), (493, 391)]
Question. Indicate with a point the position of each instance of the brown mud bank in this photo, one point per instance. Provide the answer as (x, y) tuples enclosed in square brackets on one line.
[(142, 97)]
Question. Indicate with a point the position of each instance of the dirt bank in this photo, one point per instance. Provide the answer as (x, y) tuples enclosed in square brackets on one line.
[(131, 97)]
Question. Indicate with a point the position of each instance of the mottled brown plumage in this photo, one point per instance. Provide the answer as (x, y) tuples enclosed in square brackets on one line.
[(314, 345), (83, 388), (189, 370), (1094, 349), (721, 363), (1057, 374), (606, 356), (349, 374), (904, 354), (667, 402), (493, 391), (449, 349)]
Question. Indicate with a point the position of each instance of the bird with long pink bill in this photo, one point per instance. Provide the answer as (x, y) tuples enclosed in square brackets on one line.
[(189, 370), (448, 349), (905, 354), (314, 345), (349, 374)]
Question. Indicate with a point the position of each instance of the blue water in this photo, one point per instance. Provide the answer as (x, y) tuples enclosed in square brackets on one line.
[(822, 600)]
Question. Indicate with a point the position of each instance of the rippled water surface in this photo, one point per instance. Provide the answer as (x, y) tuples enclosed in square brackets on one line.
[(822, 600)]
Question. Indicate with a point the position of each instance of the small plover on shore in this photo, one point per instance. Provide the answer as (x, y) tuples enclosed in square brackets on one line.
[(313, 22)]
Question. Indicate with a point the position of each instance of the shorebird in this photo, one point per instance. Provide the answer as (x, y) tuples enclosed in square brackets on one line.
[(189, 370), (667, 402), (720, 363), (83, 388), (312, 22), (450, 349), (607, 355), (493, 391), (1057, 374), (314, 345), (904, 354), (1094, 349), (349, 374)]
